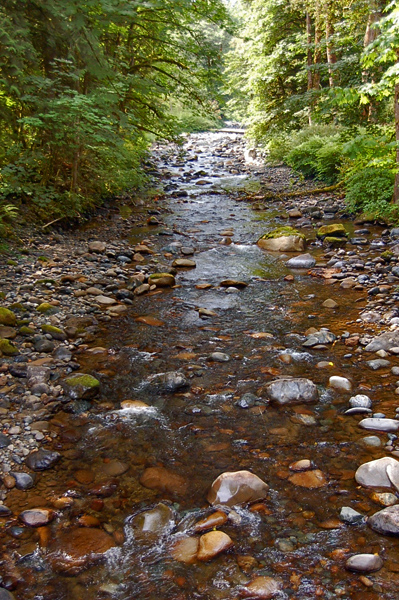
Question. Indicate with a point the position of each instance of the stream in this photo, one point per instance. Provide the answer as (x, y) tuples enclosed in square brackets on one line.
[(229, 341)]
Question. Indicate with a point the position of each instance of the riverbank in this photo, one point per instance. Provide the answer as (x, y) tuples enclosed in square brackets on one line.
[(225, 319)]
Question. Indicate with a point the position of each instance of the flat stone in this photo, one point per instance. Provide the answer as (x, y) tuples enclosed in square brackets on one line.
[(303, 261), (351, 516), (309, 479), (237, 487), (360, 400), (184, 263), (8, 333), (233, 283), (376, 424), (213, 543), (292, 391), (219, 357), (41, 460), (73, 550), (262, 588), (105, 300), (378, 363), (4, 440), (36, 517), (23, 481), (162, 280), (206, 312), (364, 563), (163, 480), (330, 303), (385, 341), (114, 468), (289, 243)]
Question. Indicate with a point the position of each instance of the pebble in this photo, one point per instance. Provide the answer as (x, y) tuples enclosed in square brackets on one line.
[(213, 543)]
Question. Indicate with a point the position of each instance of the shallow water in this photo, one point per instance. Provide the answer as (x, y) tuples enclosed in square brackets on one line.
[(295, 533)]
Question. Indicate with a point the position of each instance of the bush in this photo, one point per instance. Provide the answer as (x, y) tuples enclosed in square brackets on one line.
[(370, 191), (317, 157)]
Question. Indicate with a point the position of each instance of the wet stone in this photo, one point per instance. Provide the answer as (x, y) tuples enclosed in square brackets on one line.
[(351, 516), (158, 521), (185, 550), (303, 261), (292, 391), (4, 441), (4, 511), (262, 588), (36, 517), (237, 487), (247, 400), (42, 459), (216, 519), (213, 543), (376, 424), (386, 521), (364, 563), (23, 481), (309, 479), (219, 357), (81, 386), (361, 401), (163, 480), (74, 550), (374, 473), (166, 382), (6, 595), (378, 363), (340, 383)]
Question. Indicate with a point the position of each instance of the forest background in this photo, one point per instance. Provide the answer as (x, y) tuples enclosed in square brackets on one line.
[(86, 87)]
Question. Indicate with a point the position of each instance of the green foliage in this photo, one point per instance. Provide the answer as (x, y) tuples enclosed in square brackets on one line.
[(370, 191), (317, 156), (85, 85)]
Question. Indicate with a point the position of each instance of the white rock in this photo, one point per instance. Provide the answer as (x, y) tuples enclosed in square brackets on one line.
[(340, 383)]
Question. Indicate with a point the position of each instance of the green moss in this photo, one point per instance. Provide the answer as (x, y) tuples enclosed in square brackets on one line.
[(387, 255), (84, 380), (43, 281), (335, 242), (43, 258), (17, 306), (55, 332), (333, 230), (7, 348), (47, 309), (81, 386), (161, 279), (24, 330), (7, 317), (283, 231), (12, 263)]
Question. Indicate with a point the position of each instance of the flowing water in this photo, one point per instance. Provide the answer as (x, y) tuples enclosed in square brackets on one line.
[(295, 534)]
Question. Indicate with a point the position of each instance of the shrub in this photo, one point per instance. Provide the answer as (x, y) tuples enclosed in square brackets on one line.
[(370, 190)]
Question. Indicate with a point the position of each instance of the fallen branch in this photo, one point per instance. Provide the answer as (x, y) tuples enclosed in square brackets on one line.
[(330, 188)]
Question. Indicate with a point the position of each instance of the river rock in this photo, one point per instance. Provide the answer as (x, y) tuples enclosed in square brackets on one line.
[(162, 280), (360, 401), (23, 481), (292, 391), (233, 283), (163, 480), (378, 363), (166, 382), (309, 479), (6, 595), (237, 487), (185, 550), (7, 333), (377, 424), (81, 386), (184, 263), (385, 341), (213, 543), (303, 261), (97, 247), (114, 468), (4, 440), (284, 243), (105, 300), (7, 317), (319, 337), (41, 460), (374, 473), (219, 357), (158, 521), (74, 550), (364, 563), (262, 588), (385, 521), (330, 303), (341, 384), (216, 519), (36, 517), (351, 516), (334, 230)]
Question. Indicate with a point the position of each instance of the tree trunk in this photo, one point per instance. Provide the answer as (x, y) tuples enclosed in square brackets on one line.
[(309, 58), (331, 56), (317, 51), (396, 187), (370, 35)]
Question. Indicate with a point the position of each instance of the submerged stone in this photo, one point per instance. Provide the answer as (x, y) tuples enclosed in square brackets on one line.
[(163, 480), (73, 550), (81, 386), (237, 487), (41, 460), (292, 391), (158, 521)]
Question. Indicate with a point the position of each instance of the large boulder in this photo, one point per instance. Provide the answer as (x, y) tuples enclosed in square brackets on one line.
[(374, 473), (292, 391), (386, 521), (237, 487), (283, 239)]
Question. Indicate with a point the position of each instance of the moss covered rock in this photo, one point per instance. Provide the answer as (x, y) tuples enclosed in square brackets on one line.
[(47, 309), (334, 242), (7, 348), (161, 279), (25, 330), (55, 332), (283, 239), (81, 386), (7, 317), (333, 230)]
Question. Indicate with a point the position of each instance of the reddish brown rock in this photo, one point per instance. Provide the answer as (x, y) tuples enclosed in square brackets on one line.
[(185, 550), (237, 487), (76, 549), (309, 479), (213, 543), (216, 519), (163, 480), (262, 588)]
